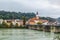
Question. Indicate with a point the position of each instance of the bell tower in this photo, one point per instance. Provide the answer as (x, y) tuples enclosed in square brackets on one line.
[(37, 16)]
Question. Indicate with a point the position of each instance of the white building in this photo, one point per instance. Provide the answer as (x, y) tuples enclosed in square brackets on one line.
[(1, 20), (45, 23)]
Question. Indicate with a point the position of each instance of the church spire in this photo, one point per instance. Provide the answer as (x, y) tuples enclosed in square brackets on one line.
[(37, 13), (37, 16)]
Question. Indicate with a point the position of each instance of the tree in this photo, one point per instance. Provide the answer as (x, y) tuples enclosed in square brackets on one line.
[(39, 23), (4, 24), (16, 25), (11, 24), (15, 15), (0, 25), (24, 20)]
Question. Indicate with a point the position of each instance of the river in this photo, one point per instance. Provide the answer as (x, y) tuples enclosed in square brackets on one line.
[(25, 34)]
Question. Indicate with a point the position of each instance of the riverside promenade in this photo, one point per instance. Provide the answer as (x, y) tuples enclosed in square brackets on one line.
[(46, 28)]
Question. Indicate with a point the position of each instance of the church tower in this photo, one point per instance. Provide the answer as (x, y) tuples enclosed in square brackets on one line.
[(37, 16)]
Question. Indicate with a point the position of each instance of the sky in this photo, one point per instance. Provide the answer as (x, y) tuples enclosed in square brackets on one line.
[(45, 8)]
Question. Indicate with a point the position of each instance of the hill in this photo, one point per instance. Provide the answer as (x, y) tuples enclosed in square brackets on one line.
[(19, 15), (15, 15)]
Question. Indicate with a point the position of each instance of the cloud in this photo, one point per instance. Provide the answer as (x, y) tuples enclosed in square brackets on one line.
[(33, 3), (44, 7), (56, 2)]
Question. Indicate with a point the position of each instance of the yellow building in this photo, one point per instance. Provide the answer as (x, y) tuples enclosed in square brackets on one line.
[(19, 22)]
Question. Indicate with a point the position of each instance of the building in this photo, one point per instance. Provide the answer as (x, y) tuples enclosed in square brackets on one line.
[(36, 19), (14, 22), (1, 20)]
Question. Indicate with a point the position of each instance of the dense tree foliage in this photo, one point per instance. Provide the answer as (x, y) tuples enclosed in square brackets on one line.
[(58, 19), (15, 15), (48, 18), (19, 15)]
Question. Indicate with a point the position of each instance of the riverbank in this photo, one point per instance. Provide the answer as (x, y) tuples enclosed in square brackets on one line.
[(45, 28), (32, 29)]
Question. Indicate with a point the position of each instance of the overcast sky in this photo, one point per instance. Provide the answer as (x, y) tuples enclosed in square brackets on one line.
[(50, 8)]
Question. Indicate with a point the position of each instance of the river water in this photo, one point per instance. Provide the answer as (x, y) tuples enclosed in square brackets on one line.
[(26, 34)]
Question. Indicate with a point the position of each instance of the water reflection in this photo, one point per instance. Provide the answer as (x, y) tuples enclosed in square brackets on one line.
[(56, 38), (25, 34)]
